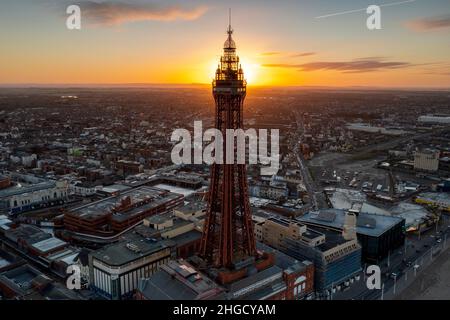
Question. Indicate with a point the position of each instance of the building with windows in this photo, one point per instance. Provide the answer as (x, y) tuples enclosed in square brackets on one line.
[(116, 269), (115, 214), (336, 259), (377, 234), (26, 192), (426, 160)]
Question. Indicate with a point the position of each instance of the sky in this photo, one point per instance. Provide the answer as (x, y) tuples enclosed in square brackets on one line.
[(280, 43)]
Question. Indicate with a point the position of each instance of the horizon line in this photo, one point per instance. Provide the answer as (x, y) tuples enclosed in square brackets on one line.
[(168, 85)]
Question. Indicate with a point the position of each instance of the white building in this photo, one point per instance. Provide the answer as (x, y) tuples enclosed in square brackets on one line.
[(434, 119), (426, 160), (29, 192)]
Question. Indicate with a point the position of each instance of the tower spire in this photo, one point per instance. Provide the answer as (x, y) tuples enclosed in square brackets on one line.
[(229, 19)]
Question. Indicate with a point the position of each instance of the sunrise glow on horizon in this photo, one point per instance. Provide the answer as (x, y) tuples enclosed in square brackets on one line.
[(279, 43)]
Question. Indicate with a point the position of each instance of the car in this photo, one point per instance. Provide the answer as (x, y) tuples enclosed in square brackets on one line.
[(438, 240), (393, 275)]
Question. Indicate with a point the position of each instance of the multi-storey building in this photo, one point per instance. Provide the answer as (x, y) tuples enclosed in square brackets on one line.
[(115, 270)]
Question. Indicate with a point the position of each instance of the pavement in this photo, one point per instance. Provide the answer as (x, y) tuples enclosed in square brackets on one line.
[(434, 284)]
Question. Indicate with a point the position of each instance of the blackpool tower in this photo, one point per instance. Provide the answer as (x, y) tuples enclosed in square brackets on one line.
[(228, 240)]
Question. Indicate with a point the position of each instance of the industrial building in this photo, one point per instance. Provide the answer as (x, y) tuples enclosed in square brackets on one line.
[(377, 234), (112, 215)]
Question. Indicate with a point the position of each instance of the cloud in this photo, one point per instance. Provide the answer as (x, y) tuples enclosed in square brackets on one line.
[(430, 23), (303, 54), (270, 53), (117, 13), (291, 55), (354, 66)]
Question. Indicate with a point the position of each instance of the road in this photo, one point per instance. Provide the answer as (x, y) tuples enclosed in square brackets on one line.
[(416, 251), (313, 191)]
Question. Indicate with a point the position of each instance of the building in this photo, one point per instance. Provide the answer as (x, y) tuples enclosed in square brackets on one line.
[(178, 280), (9, 260), (444, 165), (125, 167), (274, 191), (435, 119), (287, 279), (336, 259), (115, 214), (277, 230), (5, 224), (27, 283), (440, 200), (116, 269), (34, 241), (377, 234), (426, 160), (182, 227), (26, 192), (5, 182)]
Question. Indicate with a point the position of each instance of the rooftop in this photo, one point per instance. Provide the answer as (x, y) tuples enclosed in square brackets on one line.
[(178, 280), (367, 224), (141, 199), (128, 250)]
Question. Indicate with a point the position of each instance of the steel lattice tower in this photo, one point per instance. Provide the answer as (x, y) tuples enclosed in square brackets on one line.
[(228, 232)]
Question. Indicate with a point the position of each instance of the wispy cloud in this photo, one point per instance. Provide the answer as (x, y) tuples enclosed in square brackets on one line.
[(354, 66), (303, 54), (288, 54), (117, 13), (270, 53), (430, 23)]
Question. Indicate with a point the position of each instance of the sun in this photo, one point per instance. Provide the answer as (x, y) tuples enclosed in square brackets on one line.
[(251, 70)]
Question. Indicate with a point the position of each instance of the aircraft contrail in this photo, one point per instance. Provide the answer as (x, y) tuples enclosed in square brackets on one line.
[(364, 9)]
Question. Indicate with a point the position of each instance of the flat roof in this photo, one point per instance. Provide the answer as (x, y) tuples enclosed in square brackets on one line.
[(128, 250), (49, 244), (436, 196), (337, 218), (153, 196)]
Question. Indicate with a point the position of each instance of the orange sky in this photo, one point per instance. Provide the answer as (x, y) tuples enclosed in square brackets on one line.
[(182, 45)]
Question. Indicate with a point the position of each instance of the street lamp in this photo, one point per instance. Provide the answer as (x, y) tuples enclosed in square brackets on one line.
[(416, 266), (389, 258)]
